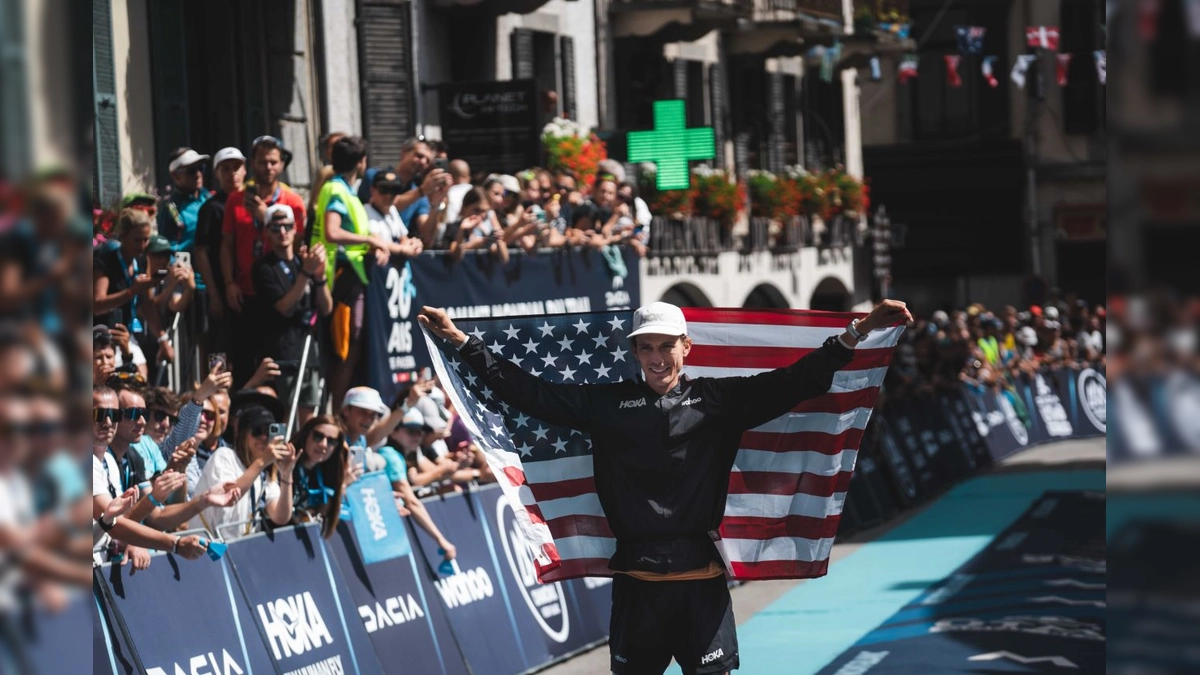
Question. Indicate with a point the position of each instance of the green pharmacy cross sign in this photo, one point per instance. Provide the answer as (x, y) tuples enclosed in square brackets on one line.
[(671, 145)]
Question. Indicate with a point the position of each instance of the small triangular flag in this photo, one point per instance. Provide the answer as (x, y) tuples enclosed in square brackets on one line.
[(908, 69), (1064, 66), (1020, 68), (989, 72), (1045, 37), (970, 39), (953, 79)]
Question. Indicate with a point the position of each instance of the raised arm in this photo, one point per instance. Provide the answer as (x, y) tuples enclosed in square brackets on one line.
[(567, 405)]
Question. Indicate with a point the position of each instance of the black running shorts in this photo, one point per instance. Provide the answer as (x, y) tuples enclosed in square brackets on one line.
[(653, 621)]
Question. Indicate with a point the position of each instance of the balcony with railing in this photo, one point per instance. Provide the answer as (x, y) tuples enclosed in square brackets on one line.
[(705, 236), (674, 20), (787, 27)]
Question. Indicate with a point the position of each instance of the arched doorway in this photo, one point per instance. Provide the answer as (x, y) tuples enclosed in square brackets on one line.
[(686, 295), (830, 295), (765, 296)]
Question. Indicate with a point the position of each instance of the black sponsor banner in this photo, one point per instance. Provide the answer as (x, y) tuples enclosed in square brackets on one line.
[(395, 609), (299, 603), (182, 615), (966, 425), (919, 451), (869, 498), (548, 615), (953, 458), (906, 486), (1033, 600), (492, 125), (478, 604), (560, 282), (1087, 399), (1006, 431)]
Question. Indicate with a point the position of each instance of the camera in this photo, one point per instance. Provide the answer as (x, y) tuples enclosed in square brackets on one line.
[(218, 358), (276, 430)]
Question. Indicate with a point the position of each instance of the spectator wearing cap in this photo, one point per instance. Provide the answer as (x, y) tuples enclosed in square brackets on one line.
[(293, 292), (343, 227), (179, 208), (385, 220), (121, 283), (260, 466), (423, 197), (229, 169), (174, 283), (367, 421)]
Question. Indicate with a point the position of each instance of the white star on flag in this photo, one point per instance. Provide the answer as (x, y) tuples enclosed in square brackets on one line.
[(511, 332), (477, 333), (619, 354), (541, 432), (565, 343), (547, 330), (530, 346), (600, 340), (568, 374), (617, 324), (559, 446), (584, 357), (548, 360), (581, 326)]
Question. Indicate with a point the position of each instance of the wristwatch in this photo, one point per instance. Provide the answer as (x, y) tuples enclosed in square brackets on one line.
[(852, 329), (103, 525)]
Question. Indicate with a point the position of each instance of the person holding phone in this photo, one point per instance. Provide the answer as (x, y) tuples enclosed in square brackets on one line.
[(478, 228), (260, 467), (175, 283), (292, 290), (424, 187)]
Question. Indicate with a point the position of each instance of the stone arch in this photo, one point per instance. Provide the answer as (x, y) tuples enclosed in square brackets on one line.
[(830, 295), (766, 296), (685, 294)]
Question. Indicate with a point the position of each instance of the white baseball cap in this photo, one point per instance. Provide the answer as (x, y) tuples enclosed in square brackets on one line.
[(188, 158), (225, 154), (365, 398), (414, 418), (660, 318), (510, 183), (289, 217)]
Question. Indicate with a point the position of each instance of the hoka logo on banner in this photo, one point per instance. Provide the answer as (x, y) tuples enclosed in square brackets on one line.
[(294, 625), (203, 664)]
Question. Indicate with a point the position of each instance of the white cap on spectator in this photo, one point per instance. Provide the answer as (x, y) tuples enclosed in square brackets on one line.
[(660, 318), (414, 418), (1051, 312), (365, 398), (941, 318), (225, 154), (1027, 336), (282, 212), (510, 183), (188, 158), (439, 397)]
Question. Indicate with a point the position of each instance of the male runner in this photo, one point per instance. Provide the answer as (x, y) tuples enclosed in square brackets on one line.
[(663, 449)]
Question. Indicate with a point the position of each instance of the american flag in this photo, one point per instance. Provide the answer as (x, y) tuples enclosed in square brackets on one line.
[(790, 475)]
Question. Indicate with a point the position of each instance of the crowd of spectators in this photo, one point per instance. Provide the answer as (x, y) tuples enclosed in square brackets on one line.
[(983, 347)]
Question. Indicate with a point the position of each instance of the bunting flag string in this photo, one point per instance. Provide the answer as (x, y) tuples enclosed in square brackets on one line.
[(1045, 37), (989, 72), (970, 39), (1101, 57), (1064, 67), (908, 68), (1020, 68), (953, 79)]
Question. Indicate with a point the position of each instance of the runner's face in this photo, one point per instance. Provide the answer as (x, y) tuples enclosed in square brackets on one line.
[(661, 358)]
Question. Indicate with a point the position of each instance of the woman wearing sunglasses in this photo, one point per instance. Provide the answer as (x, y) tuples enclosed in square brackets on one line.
[(321, 476), (258, 465)]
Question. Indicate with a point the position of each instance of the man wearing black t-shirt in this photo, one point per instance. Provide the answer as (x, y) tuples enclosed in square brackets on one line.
[(290, 290), (229, 168)]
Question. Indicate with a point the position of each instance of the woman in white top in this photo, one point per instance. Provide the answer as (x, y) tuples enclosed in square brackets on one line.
[(258, 465)]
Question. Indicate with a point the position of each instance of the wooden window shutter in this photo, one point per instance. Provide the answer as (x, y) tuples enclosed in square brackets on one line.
[(776, 104), (566, 52), (716, 88), (385, 73), (106, 165), (522, 54)]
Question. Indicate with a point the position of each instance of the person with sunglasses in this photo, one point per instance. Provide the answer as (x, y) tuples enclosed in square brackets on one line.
[(291, 287), (121, 285), (179, 208), (122, 535), (322, 472), (260, 468)]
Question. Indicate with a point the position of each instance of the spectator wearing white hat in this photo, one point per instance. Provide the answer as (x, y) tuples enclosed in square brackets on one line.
[(229, 169), (292, 292), (179, 208), (367, 421)]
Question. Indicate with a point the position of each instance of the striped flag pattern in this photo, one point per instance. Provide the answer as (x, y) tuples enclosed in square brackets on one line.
[(790, 475)]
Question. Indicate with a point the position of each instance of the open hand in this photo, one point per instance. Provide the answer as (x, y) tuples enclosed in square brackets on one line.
[(886, 313), (436, 321)]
